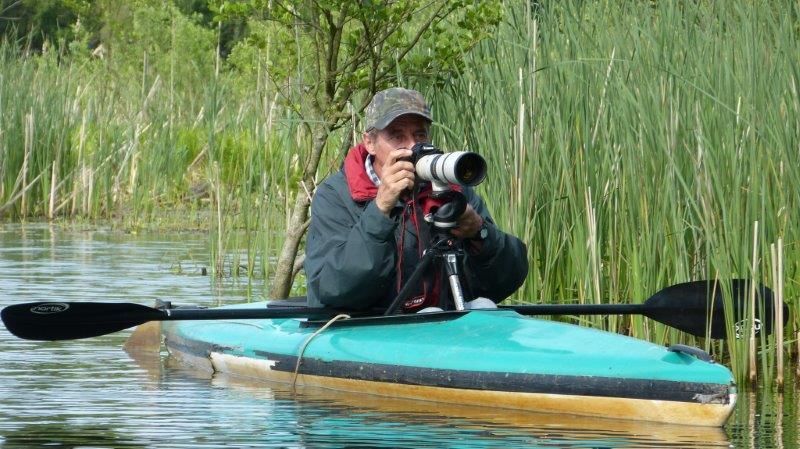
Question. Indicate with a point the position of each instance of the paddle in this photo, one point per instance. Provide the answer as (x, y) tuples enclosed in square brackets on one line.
[(682, 306), (685, 307)]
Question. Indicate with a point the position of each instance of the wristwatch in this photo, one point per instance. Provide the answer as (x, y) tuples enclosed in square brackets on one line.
[(483, 232)]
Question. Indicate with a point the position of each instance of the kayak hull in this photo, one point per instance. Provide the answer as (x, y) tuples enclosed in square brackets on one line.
[(484, 358)]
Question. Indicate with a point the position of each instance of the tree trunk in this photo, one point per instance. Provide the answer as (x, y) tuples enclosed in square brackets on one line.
[(284, 273)]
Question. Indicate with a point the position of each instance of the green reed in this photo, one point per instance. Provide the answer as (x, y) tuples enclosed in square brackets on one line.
[(634, 145), (85, 139)]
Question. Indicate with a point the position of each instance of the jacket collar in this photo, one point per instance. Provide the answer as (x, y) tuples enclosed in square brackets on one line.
[(361, 187)]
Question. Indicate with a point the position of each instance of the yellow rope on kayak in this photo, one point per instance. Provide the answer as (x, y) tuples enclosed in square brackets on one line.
[(308, 340)]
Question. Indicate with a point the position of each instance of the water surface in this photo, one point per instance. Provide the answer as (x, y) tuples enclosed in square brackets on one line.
[(91, 393)]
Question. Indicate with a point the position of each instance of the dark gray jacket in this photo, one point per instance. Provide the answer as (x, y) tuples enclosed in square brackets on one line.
[(352, 250)]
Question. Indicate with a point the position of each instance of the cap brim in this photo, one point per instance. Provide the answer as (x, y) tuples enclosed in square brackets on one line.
[(395, 114)]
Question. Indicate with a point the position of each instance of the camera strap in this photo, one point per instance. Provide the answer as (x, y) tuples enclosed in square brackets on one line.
[(431, 281)]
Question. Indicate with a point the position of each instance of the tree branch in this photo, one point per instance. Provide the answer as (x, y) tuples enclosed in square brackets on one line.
[(433, 18)]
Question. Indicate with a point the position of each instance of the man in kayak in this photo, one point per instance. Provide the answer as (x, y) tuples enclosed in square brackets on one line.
[(363, 241)]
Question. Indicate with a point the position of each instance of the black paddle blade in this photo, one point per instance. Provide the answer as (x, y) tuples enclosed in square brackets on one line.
[(67, 321), (695, 307)]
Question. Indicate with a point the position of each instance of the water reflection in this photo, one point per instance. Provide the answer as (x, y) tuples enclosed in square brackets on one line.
[(90, 393), (64, 435), (765, 419)]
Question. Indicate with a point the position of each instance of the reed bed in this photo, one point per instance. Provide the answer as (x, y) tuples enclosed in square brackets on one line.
[(82, 139), (631, 145), (634, 145)]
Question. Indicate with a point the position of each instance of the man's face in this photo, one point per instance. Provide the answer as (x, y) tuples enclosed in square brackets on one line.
[(403, 132)]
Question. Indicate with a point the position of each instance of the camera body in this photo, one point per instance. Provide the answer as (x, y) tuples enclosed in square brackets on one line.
[(423, 149), (440, 168)]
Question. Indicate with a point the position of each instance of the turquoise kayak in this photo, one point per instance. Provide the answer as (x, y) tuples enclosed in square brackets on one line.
[(493, 357)]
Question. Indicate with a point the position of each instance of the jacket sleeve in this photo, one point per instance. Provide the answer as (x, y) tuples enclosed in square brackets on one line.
[(500, 266), (350, 254)]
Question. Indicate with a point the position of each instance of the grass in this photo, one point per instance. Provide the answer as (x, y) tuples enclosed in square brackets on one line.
[(638, 145), (631, 145)]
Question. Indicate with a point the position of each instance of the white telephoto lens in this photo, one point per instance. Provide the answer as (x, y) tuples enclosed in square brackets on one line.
[(459, 167)]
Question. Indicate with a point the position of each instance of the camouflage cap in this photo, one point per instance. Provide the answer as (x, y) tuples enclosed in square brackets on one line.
[(391, 103)]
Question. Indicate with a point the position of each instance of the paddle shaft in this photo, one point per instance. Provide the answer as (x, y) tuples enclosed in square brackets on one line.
[(238, 314), (580, 309)]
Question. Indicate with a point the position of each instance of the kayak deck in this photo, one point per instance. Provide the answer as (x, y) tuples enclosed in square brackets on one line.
[(489, 358)]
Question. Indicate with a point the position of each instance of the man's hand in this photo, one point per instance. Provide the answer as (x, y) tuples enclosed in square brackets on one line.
[(396, 177), (469, 223)]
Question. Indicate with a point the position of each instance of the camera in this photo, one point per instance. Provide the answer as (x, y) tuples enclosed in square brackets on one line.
[(457, 167)]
